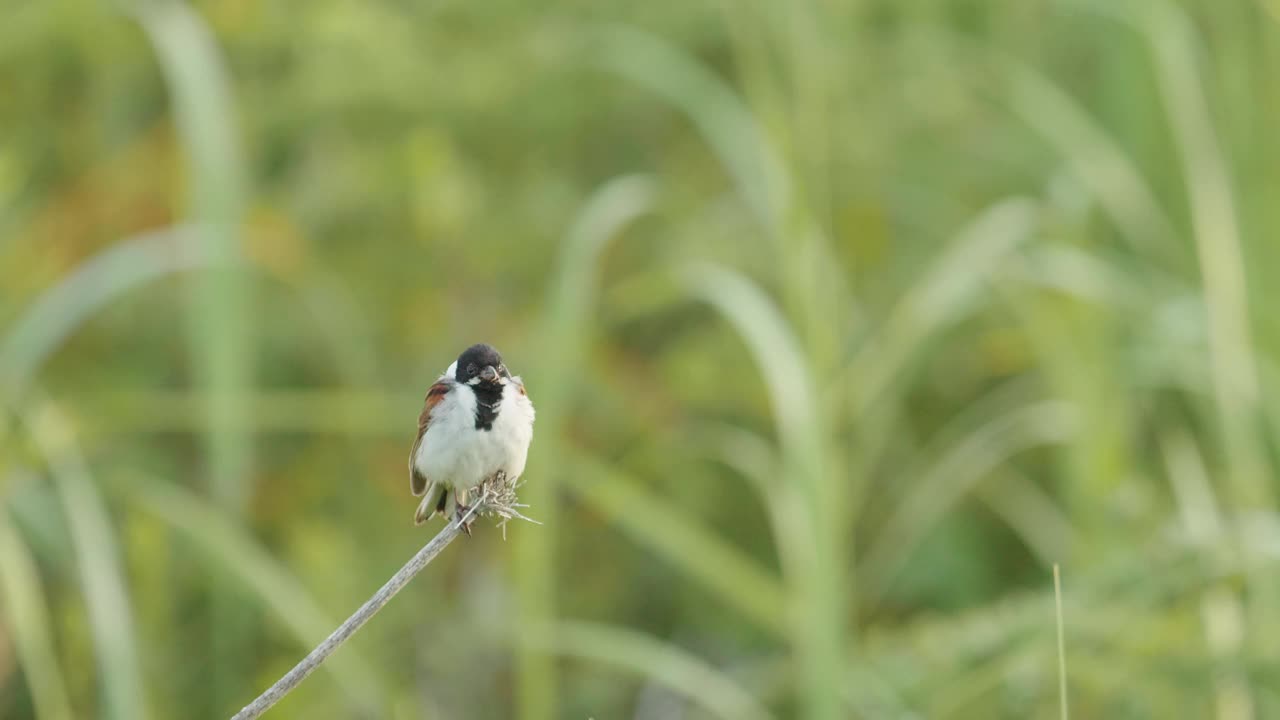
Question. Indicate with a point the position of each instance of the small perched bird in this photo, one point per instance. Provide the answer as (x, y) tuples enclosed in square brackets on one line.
[(477, 421)]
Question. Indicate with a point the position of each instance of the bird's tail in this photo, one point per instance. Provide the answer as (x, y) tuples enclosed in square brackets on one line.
[(433, 501)]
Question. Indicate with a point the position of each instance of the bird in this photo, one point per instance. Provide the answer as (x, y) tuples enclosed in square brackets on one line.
[(476, 422)]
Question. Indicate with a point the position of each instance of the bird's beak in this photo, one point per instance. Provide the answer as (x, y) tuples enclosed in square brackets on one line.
[(489, 374)]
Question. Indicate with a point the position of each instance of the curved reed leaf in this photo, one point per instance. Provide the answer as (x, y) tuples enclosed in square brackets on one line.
[(102, 579), (950, 478), (219, 317), (753, 457), (1221, 607), (1220, 247), (773, 346), (786, 376), (1031, 513), (680, 540), (563, 343), (945, 292), (724, 122), (940, 296), (61, 309), (1216, 227), (133, 262), (1167, 315), (994, 640), (196, 79), (1233, 362), (29, 625), (1102, 166), (236, 555), (818, 607), (1085, 275), (665, 663)]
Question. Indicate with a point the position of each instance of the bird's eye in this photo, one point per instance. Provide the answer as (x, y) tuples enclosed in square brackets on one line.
[(471, 369)]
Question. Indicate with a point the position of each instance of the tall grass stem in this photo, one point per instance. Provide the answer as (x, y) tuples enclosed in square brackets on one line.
[(313, 660), (1062, 647)]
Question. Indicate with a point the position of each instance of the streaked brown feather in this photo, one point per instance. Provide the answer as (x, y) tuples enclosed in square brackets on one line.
[(436, 393)]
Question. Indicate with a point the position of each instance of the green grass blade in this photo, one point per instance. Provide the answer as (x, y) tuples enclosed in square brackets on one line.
[(321, 411), (1098, 162), (724, 122), (951, 477), (665, 663), (1207, 175), (29, 626), (219, 300), (102, 579), (756, 459), (235, 555), (681, 541), (1062, 644), (818, 607), (1220, 246), (219, 303), (1217, 233), (1031, 513), (772, 344), (562, 349), (63, 308), (1221, 607), (941, 295)]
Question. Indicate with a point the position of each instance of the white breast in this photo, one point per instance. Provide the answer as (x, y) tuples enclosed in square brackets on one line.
[(455, 454)]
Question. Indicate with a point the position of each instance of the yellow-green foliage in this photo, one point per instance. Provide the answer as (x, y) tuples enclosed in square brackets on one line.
[(845, 322)]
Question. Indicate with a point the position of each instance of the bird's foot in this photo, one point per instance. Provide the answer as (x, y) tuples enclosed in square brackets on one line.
[(465, 517)]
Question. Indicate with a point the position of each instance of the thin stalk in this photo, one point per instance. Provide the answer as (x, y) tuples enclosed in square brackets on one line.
[(219, 316), (1062, 646), (308, 664), (497, 499)]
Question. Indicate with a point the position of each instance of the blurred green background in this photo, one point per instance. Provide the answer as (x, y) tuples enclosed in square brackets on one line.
[(845, 322)]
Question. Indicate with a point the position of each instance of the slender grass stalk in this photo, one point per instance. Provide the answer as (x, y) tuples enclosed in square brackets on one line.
[(1101, 165), (680, 540), (219, 334), (61, 309), (201, 95), (990, 641), (755, 458), (1220, 247), (938, 298), (1173, 44), (728, 127), (102, 578), (229, 550), (1062, 647), (1221, 607), (818, 602), (26, 610), (564, 341), (497, 498), (320, 411), (702, 684), (1030, 512), (1217, 235), (951, 477), (316, 657), (38, 332)]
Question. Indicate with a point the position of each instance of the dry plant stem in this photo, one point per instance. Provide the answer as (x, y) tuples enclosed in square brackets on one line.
[(312, 661), (1062, 647), (497, 499)]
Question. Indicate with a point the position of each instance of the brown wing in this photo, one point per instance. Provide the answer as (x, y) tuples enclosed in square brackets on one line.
[(437, 392)]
